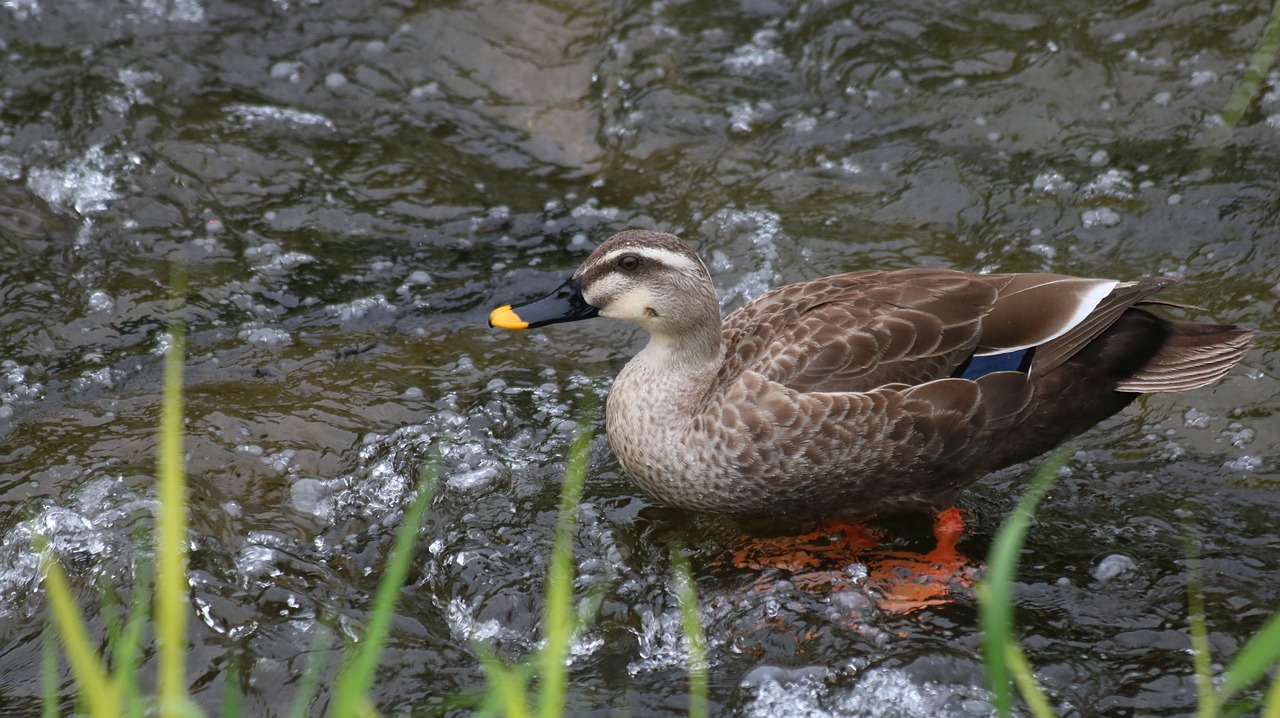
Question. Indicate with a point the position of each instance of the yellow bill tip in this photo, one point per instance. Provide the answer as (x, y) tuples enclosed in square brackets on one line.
[(505, 318)]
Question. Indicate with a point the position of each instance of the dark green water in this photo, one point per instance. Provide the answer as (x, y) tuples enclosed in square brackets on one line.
[(353, 185)]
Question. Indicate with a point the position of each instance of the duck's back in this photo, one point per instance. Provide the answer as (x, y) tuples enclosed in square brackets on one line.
[(862, 330)]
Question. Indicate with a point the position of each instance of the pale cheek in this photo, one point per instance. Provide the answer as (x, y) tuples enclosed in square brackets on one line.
[(630, 307)]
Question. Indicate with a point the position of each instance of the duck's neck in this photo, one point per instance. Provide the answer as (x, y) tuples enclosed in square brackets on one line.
[(663, 384), (695, 352)]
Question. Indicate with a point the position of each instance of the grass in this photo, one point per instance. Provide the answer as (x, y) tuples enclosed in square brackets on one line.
[(172, 602), (509, 691), (107, 689), (1003, 655), (695, 642), (1007, 665), (1247, 87), (558, 619)]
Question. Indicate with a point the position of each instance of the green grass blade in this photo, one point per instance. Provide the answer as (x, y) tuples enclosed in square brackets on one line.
[(97, 691), (310, 682), (1025, 679), (1253, 661), (1199, 630), (128, 646), (589, 607), (508, 687), (995, 592), (695, 641), (1271, 704), (1263, 57), (1250, 82), (171, 599), (231, 692), (355, 679), (49, 673), (557, 621)]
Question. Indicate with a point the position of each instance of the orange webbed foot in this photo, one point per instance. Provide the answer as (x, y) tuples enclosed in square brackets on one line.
[(910, 582)]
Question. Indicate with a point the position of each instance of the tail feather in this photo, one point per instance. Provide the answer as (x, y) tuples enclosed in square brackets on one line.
[(1194, 355)]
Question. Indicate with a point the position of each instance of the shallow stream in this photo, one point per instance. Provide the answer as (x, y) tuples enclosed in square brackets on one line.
[(353, 186)]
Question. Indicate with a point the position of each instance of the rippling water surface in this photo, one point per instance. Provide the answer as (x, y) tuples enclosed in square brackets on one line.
[(353, 185)]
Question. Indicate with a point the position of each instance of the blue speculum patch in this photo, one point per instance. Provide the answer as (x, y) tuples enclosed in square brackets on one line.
[(976, 366)]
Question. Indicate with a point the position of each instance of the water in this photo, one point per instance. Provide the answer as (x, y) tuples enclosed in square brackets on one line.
[(353, 186)]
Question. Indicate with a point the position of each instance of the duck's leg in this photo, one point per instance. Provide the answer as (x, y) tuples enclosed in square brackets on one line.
[(909, 582), (819, 560), (948, 527)]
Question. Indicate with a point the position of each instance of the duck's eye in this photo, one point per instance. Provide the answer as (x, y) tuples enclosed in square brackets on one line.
[(629, 262)]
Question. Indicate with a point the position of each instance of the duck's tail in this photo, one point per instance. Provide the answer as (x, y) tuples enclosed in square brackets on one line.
[(1137, 354), (1193, 355)]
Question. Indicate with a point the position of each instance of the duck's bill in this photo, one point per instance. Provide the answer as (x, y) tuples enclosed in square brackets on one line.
[(566, 304)]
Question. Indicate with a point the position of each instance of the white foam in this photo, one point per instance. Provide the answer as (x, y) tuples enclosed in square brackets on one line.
[(1113, 183), (85, 185), (266, 337), (91, 528), (761, 51), (270, 114), (894, 693), (764, 230), (1246, 464), (801, 693), (359, 308), (1101, 217)]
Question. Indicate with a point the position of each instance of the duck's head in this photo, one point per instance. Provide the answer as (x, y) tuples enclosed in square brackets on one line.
[(648, 278)]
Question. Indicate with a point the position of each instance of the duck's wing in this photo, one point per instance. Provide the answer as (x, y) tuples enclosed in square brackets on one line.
[(859, 331)]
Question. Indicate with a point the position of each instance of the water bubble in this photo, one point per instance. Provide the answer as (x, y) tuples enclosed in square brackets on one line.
[(1102, 217), (1113, 183), (285, 70), (85, 185), (475, 479), (1247, 464), (312, 496), (266, 337), (1114, 566), (100, 301), (1202, 77), (1196, 419), (759, 52), (358, 308), (1052, 183)]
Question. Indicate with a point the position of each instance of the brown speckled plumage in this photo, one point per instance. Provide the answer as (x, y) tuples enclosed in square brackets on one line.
[(841, 396)]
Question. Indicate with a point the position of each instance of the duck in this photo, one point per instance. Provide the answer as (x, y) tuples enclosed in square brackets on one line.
[(868, 393)]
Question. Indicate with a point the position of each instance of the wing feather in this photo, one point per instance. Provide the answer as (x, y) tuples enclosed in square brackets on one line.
[(858, 331)]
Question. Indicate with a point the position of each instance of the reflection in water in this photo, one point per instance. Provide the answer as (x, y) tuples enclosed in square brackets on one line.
[(353, 185)]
